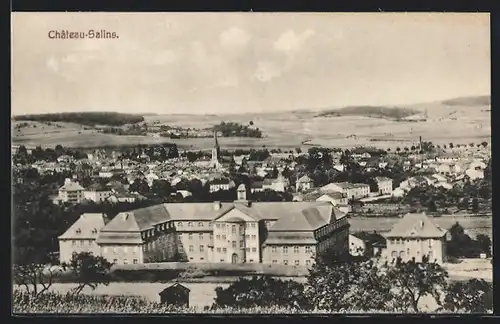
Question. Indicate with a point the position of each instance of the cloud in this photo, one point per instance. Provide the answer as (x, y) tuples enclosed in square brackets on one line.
[(266, 71), (289, 42), (234, 39)]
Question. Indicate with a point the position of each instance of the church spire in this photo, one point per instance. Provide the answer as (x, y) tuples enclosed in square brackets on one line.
[(216, 142)]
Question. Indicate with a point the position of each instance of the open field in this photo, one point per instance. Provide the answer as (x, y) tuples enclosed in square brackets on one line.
[(473, 225), (203, 293), (457, 123)]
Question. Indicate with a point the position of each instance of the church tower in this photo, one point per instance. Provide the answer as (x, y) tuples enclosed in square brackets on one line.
[(215, 152)]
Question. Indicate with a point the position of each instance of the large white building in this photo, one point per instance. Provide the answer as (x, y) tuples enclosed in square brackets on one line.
[(289, 233)]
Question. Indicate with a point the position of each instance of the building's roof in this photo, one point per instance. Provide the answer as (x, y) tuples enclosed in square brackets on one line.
[(86, 227), (97, 187), (71, 186), (344, 185), (195, 211), (417, 226), (176, 286), (294, 238), (381, 179), (309, 218), (256, 184), (119, 238), (241, 187), (220, 181)]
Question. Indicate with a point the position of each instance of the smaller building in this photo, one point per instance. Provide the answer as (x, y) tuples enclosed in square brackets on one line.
[(351, 190), (81, 237), (175, 295), (97, 193), (221, 184), (384, 185), (304, 183), (71, 192), (416, 236)]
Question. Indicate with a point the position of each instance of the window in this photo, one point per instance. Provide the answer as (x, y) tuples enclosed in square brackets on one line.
[(94, 231), (224, 250), (200, 224), (201, 259), (200, 236), (115, 251), (211, 237), (247, 249), (190, 236), (308, 249), (246, 225), (125, 261), (285, 262), (211, 224), (401, 254), (222, 260), (233, 243), (297, 262), (252, 225), (181, 249), (74, 242), (285, 250), (82, 242), (408, 251), (135, 261), (247, 237), (224, 237), (125, 249), (254, 237), (254, 249), (217, 225), (190, 224), (274, 249), (251, 260), (242, 244), (233, 229), (218, 249), (78, 231), (217, 237), (191, 248), (201, 248), (275, 261), (296, 249), (180, 236), (115, 261), (308, 262), (430, 244)]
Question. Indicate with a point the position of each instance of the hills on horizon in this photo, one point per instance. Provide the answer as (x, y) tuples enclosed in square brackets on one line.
[(376, 111)]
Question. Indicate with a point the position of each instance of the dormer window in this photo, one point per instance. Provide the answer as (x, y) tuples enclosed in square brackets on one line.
[(78, 231), (200, 224), (94, 231)]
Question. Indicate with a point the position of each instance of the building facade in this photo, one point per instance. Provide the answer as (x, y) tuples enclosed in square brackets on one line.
[(351, 190), (416, 236), (289, 233), (70, 192), (384, 185)]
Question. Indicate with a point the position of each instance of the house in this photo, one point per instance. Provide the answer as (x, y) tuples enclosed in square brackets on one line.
[(97, 192), (256, 186), (351, 190), (287, 233), (70, 192), (81, 237), (221, 184), (175, 295), (474, 174), (279, 184), (124, 197), (416, 236), (304, 183), (384, 185), (336, 198)]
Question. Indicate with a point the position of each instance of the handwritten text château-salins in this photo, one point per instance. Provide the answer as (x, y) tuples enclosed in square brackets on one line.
[(89, 34)]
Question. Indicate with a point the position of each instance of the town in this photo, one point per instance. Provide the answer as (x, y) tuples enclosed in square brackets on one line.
[(155, 205)]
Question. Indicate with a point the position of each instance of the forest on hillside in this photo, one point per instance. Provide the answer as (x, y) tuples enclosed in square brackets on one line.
[(85, 118), (370, 111)]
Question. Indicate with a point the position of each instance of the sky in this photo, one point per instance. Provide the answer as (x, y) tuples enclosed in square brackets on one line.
[(213, 63)]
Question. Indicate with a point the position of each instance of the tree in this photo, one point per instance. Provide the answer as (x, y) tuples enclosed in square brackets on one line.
[(160, 187), (251, 123), (484, 144), (475, 206), (398, 149), (342, 283), (450, 145), (298, 150), (413, 280), (89, 271), (140, 186), (474, 296), (262, 292)]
